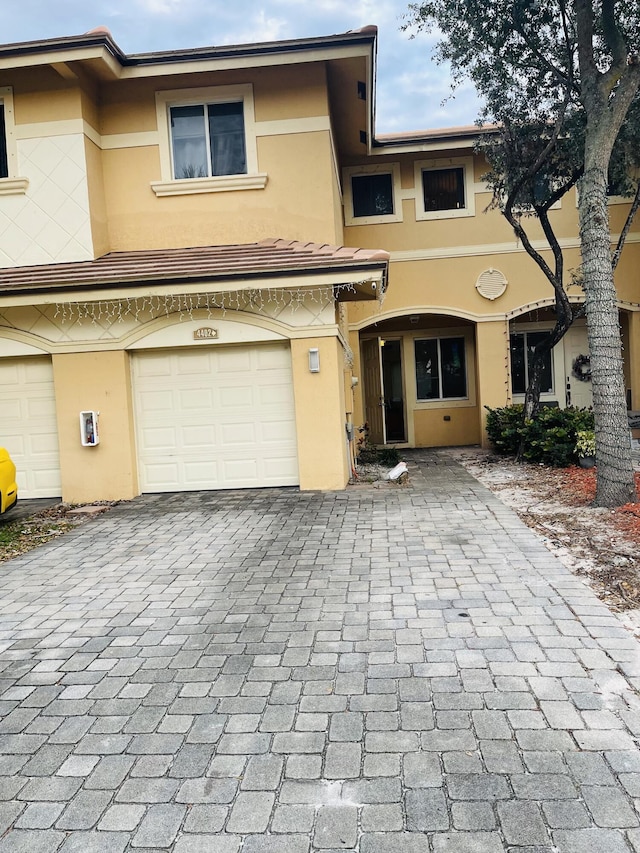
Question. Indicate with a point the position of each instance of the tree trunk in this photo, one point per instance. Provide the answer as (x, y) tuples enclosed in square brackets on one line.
[(615, 481)]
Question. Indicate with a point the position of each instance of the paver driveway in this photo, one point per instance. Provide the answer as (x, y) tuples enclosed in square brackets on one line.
[(388, 671)]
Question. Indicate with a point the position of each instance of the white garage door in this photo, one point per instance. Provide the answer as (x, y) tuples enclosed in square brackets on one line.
[(214, 418), (28, 427)]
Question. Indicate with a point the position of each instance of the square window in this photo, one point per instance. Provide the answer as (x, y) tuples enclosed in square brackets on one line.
[(441, 372), (208, 140), (372, 195), (443, 189)]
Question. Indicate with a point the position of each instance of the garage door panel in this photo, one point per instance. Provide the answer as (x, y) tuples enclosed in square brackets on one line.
[(234, 434), (11, 410), (156, 401), (237, 396), (28, 427), (234, 360), (222, 422), (196, 400), (194, 437), (161, 438), (240, 471), (201, 472)]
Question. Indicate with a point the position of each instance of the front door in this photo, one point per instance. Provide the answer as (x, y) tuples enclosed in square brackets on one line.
[(373, 396), (576, 344)]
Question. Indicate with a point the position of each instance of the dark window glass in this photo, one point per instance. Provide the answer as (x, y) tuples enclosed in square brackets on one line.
[(4, 164), (520, 368), (443, 189), (440, 368), (225, 153), (372, 195), (454, 373), (226, 134)]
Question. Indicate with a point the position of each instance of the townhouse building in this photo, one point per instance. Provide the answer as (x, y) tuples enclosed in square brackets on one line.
[(213, 272)]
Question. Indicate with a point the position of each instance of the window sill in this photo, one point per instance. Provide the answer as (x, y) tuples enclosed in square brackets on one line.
[(219, 184), (422, 215), (13, 186)]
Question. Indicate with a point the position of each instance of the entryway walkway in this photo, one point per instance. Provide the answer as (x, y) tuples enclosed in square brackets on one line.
[(394, 670)]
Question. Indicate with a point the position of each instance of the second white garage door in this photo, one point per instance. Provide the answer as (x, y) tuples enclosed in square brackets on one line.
[(215, 418), (28, 427)]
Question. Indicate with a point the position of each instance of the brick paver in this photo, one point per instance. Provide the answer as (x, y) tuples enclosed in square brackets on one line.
[(376, 670)]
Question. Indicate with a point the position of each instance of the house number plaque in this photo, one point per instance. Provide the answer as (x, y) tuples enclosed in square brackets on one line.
[(206, 333)]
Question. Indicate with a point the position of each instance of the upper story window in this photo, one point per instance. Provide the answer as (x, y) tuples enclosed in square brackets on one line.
[(372, 194), (444, 188), (441, 372), (207, 141)]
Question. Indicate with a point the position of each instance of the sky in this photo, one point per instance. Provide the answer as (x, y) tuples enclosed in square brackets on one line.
[(411, 87)]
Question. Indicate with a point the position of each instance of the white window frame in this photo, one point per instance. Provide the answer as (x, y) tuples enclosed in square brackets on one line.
[(466, 163), (349, 172), (12, 184), (252, 180)]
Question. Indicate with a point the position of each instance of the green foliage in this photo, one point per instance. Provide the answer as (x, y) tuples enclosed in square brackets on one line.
[(369, 454), (585, 442), (549, 437), (388, 456), (504, 428)]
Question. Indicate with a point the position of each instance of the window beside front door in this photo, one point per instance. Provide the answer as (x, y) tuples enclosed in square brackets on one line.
[(441, 372), (522, 345)]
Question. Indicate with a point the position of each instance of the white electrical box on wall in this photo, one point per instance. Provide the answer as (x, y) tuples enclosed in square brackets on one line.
[(89, 429)]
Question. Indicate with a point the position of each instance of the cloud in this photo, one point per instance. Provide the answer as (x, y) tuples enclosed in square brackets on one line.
[(260, 27), (163, 7)]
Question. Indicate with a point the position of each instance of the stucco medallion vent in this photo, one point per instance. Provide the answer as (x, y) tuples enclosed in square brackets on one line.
[(491, 284)]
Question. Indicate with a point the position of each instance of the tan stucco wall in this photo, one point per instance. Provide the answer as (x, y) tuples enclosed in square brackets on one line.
[(320, 416), (492, 353), (97, 208), (297, 201), (432, 430), (95, 381)]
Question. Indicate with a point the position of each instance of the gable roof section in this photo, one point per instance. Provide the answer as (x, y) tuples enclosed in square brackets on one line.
[(255, 264)]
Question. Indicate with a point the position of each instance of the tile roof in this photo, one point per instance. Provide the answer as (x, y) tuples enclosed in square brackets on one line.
[(272, 258)]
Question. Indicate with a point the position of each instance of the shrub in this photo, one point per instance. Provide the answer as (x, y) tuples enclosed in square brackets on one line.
[(504, 428), (549, 437)]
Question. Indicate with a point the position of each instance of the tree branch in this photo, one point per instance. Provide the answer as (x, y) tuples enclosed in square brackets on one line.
[(627, 225)]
